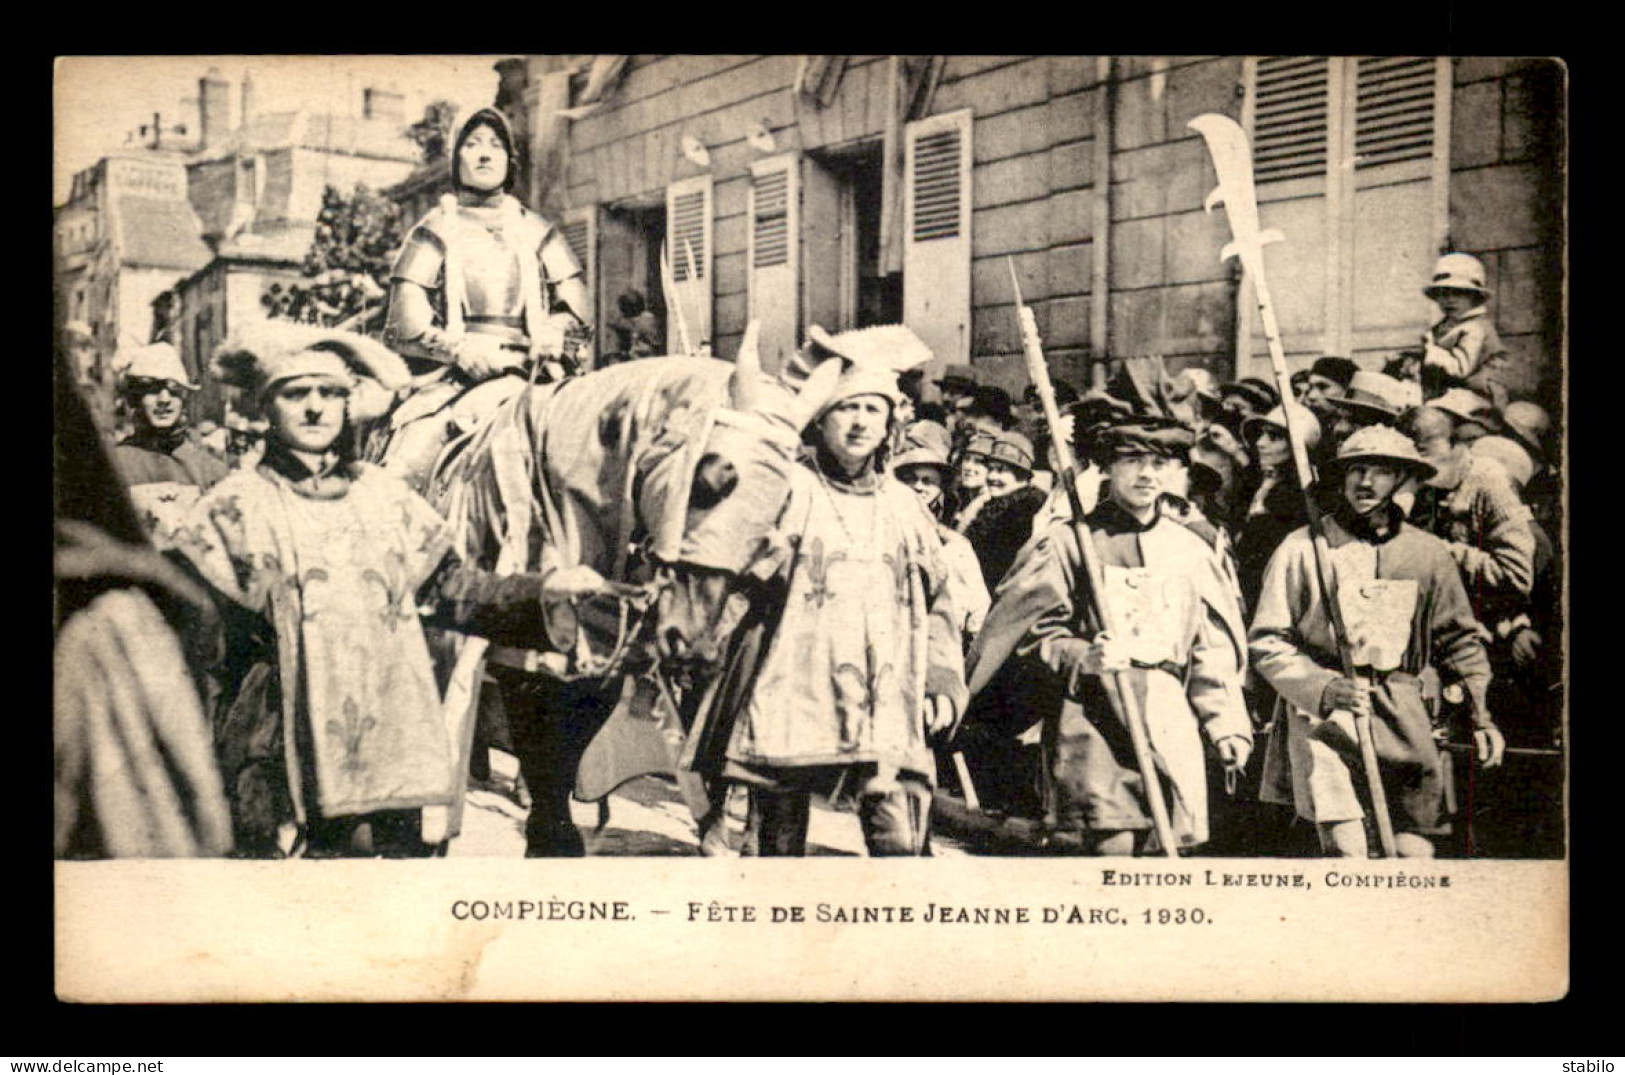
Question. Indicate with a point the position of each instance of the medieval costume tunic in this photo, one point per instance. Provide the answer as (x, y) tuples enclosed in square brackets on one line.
[(345, 718), (166, 471), (1406, 610), (1176, 604), (867, 633)]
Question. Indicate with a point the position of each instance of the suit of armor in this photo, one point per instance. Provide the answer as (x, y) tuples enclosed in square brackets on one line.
[(495, 256)]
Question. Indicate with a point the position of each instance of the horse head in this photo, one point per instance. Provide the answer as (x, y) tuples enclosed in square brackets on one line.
[(711, 506)]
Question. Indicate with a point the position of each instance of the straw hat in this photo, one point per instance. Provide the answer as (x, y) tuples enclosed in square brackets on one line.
[(1466, 405), (1374, 394)]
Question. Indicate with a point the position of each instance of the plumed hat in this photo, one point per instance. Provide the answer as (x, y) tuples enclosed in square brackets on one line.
[(1144, 410), (1140, 433), (261, 356), (873, 359), (894, 347), (864, 380)]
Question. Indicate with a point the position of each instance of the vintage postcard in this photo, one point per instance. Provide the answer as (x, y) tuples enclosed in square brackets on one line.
[(507, 503)]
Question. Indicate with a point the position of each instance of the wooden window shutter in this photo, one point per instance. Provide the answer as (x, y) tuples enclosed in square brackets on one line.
[(1398, 204), (1293, 110), (773, 260), (936, 234), (688, 235), (580, 230), (1394, 113), (1290, 117)]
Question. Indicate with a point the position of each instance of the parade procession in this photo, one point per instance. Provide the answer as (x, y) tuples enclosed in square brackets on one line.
[(802, 455)]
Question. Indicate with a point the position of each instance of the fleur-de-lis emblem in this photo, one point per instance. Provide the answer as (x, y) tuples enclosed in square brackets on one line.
[(393, 583), (300, 583), (819, 564), (856, 690), (349, 733), (192, 537)]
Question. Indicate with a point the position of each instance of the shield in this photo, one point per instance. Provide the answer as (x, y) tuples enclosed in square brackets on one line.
[(1378, 615)]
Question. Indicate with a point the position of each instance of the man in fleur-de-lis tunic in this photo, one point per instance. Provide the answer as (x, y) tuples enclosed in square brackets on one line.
[(330, 715), (864, 668), (1181, 644)]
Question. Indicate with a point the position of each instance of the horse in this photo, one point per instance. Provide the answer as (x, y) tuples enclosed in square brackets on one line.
[(663, 478)]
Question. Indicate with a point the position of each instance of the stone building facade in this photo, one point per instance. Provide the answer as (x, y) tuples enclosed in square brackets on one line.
[(845, 190), (125, 235)]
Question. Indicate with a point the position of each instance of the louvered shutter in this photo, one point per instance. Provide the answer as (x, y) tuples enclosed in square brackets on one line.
[(580, 228), (936, 234), (1398, 214), (1351, 158), (1393, 114), (772, 257), (1290, 118), (688, 235), (1295, 134)]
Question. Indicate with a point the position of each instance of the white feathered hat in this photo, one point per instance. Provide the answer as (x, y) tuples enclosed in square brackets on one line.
[(261, 356)]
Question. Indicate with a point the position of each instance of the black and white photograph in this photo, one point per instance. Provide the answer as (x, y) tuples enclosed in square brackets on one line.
[(1134, 485)]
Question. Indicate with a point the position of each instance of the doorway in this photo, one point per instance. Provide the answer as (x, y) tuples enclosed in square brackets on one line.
[(854, 181), (629, 241)]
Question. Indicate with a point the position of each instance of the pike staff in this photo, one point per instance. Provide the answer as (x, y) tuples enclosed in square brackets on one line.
[(1232, 162), (1124, 702)]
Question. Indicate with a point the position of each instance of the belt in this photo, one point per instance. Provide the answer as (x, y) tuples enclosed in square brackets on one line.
[(1396, 675), (1175, 670), (512, 335)]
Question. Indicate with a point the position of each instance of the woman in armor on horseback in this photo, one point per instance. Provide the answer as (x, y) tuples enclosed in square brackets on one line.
[(473, 290)]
